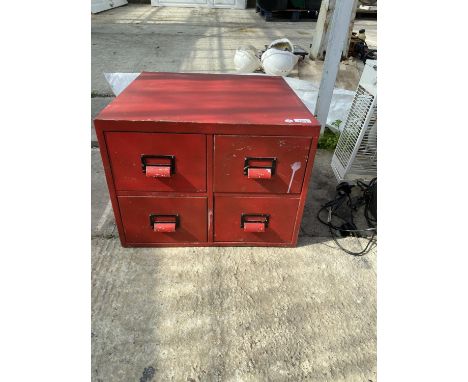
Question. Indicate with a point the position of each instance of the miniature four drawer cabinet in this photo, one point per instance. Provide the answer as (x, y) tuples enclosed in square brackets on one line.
[(207, 160)]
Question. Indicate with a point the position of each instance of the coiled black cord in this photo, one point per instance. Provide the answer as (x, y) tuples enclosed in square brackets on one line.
[(348, 227)]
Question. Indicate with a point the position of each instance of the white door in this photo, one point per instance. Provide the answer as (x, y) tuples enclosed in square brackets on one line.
[(104, 5), (239, 4)]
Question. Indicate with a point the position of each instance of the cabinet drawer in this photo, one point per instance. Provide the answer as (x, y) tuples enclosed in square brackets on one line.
[(164, 220), (254, 219), (260, 164), (157, 162)]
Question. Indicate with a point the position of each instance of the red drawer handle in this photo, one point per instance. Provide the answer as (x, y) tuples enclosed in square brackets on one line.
[(158, 171), (158, 166), (254, 222), (259, 173), (164, 223), (259, 167), (164, 227), (254, 227)]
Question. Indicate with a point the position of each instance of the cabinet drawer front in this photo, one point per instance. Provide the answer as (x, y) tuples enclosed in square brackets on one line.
[(157, 162), (164, 220), (254, 219), (260, 164)]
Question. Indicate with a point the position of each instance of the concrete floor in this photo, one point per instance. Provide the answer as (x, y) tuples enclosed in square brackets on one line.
[(135, 38), (222, 314)]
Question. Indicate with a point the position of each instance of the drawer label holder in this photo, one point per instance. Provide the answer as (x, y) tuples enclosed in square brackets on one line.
[(261, 168), (254, 222), (164, 223), (158, 166)]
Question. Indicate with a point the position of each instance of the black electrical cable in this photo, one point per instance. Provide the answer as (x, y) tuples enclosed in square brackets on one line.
[(361, 253), (368, 200)]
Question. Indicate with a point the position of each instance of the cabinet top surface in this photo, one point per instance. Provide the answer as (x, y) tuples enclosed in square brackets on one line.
[(209, 98)]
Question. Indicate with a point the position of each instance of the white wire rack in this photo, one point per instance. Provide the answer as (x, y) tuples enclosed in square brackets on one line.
[(355, 155)]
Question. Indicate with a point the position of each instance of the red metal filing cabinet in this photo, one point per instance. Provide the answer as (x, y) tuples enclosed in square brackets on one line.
[(207, 160)]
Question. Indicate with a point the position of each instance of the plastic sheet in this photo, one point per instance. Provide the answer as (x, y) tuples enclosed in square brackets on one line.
[(119, 81), (340, 104)]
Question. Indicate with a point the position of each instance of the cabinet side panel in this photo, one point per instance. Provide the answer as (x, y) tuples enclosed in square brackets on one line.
[(99, 126), (305, 188)]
